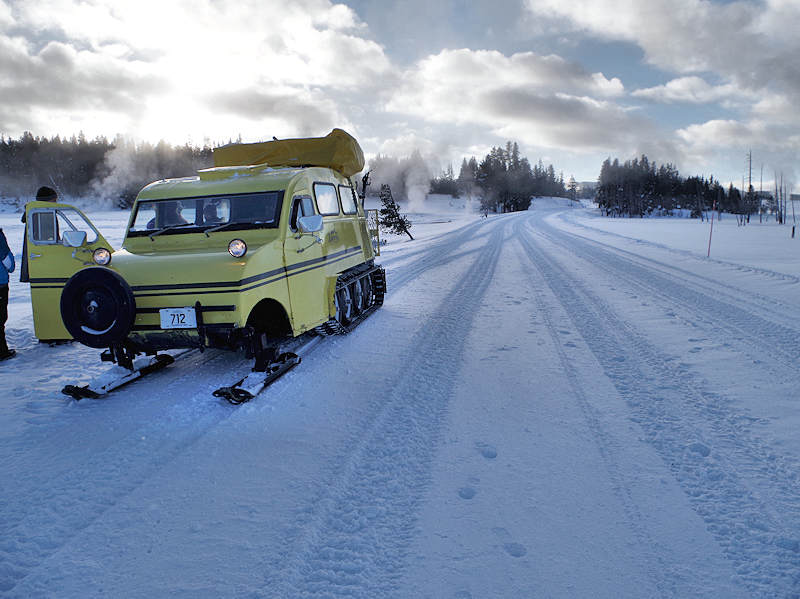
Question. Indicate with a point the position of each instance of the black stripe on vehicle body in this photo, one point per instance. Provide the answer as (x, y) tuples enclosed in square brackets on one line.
[(204, 308), (47, 280), (329, 258), (252, 279), (300, 272), (47, 287), (213, 284), (317, 263)]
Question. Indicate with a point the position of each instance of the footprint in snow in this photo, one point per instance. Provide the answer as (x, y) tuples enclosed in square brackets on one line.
[(515, 549), (466, 492), (509, 546), (487, 451), (699, 448)]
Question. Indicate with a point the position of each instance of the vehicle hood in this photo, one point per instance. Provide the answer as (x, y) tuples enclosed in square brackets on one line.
[(204, 268)]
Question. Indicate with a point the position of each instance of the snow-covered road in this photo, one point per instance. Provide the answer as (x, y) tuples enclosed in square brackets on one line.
[(540, 409)]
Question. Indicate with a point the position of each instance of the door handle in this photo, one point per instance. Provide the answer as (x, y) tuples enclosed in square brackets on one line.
[(35, 255)]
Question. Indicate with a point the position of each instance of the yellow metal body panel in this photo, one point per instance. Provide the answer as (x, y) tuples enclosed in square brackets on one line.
[(281, 265), (311, 265), (51, 264)]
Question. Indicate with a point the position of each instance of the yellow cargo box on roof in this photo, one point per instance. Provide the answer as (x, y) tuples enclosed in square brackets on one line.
[(338, 150)]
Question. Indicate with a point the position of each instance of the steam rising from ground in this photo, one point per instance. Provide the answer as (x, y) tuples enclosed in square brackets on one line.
[(120, 174), (409, 178), (128, 167)]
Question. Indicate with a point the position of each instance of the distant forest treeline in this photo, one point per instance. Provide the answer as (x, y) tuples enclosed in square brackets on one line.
[(114, 171), (111, 171), (504, 180), (640, 188)]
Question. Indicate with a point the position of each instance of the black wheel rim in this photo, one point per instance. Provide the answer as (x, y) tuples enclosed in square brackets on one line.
[(97, 309)]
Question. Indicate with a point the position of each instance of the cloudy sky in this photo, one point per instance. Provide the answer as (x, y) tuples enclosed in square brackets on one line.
[(694, 82)]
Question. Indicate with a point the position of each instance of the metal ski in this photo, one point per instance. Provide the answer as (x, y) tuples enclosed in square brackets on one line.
[(118, 376), (250, 386)]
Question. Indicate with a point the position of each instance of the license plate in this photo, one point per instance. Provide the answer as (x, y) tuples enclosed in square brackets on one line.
[(178, 318)]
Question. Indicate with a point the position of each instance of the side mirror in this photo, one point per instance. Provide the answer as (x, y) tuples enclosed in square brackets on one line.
[(73, 239), (310, 224)]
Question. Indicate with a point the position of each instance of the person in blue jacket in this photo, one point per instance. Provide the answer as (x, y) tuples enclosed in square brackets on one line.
[(7, 262)]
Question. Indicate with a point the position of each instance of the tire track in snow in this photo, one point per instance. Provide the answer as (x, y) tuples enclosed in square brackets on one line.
[(35, 526), (772, 274), (701, 438), (356, 538), (129, 460), (738, 324), (659, 564), (441, 244), (441, 253)]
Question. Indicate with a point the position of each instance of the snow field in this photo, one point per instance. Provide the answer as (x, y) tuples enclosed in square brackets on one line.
[(548, 404)]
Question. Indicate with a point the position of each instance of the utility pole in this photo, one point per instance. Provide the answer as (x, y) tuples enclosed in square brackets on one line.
[(760, 197), (749, 203)]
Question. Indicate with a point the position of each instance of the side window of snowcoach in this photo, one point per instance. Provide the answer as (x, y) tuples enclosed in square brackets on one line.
[(72, 220), (301, 206), (348, 199), (48, 226), (43, 227), (327, 202)]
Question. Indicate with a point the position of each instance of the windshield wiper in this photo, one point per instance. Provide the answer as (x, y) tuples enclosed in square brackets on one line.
[(220, 227), (170, 228)]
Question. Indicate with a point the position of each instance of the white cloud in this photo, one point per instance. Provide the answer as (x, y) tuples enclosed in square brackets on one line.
[(751, 43), (6, 20), (744, 135), (779, 109), (546, 99), (464, 67), (724, 144), (163, 64), (750, 46), (725, 132), (693, 90)]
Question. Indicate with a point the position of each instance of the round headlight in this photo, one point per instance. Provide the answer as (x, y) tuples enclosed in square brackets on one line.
[(101, 256), (237, 248)]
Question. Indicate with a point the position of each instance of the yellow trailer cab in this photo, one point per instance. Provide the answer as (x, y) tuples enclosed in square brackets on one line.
[(59, 241), (269, 244)]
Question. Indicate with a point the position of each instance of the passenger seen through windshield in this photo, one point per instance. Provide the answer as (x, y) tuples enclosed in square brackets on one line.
[(252, 210)]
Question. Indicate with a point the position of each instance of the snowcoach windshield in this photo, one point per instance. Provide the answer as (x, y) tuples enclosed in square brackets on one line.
[(177, 216)]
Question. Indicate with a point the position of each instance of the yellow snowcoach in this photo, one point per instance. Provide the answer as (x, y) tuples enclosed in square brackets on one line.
[(269, 244)]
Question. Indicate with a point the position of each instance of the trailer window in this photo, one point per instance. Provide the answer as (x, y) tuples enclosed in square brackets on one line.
[(348, 199), (327, 202)]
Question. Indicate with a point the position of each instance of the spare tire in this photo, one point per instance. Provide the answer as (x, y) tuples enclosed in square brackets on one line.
[(98, 307)]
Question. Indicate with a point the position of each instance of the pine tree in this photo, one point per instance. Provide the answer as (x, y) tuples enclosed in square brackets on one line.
[(390, 216), (572, 188)]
